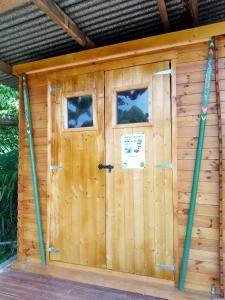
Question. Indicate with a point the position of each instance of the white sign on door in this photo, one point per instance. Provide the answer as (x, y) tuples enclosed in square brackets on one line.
[(133, 151)]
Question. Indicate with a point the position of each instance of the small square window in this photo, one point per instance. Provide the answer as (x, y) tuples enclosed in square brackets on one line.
[(80, 111), (132, 106)]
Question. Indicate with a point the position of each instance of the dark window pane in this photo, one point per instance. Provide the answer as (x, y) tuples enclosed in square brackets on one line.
[(132, 106), (80, 112)]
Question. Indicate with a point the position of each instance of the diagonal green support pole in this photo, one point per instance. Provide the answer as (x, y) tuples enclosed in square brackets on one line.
[(33, 167), (198, 158)]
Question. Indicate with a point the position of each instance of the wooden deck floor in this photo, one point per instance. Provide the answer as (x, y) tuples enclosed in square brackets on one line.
[(28, 286)]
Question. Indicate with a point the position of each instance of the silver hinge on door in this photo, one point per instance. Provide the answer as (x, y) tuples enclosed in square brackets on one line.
[(164, 166), (165, 267), (55, 88), (55, 167), (53, 250), (163, 72)]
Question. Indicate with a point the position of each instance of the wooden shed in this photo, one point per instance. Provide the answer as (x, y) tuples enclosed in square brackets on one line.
[(115, 132)]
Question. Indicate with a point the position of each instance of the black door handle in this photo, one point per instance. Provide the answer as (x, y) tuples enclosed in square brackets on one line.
[(109, 167)]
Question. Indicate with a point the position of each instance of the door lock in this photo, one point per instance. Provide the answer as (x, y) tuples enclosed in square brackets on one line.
[(109, 167)]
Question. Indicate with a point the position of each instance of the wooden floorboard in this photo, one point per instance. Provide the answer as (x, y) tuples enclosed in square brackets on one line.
[(16, 284)]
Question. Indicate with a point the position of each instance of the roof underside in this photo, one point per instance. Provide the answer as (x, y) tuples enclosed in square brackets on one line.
[(27, 34)]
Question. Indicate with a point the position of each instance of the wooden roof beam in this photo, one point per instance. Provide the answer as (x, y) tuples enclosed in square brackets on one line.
[(164, 15), (57, 15), (193, 7), (5, 68), (6, 5)]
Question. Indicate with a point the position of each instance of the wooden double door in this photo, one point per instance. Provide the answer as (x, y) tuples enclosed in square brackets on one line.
[(110, 171)]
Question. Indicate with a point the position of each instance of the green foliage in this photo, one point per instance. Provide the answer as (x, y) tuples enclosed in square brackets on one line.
[(8, 171), (8, 109), (8, 102)]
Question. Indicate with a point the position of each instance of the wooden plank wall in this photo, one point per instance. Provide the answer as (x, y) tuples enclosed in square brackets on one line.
[(220, 62), (27, 232), (203, 267)]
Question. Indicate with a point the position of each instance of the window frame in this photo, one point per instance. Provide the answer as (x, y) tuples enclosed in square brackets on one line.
[(65, 97), (132, 87)]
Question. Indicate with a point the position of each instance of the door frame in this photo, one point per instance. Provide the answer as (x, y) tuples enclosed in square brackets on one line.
[(137, 60)]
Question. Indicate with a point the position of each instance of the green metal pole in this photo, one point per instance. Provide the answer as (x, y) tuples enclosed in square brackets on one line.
[(33, 167), (198, 158)]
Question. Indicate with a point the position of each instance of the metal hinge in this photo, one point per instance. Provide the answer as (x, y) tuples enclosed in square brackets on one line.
[(55, 88), (55, 167), (164, 166), (165, 267), (163, 72), (53, 250)]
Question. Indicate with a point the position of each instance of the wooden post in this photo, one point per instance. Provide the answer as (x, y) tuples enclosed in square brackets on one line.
[(221, 198)]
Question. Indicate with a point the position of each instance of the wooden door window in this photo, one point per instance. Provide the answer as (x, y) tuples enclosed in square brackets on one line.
[(132, 106), (80, 111)]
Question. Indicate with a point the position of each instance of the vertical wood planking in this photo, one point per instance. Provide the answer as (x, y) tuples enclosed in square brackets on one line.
[(221, 204), (220, 76), (137, 76), (137, 245), (109, 154), (163, 177), (76, 187), (175, 168), (100, 184)]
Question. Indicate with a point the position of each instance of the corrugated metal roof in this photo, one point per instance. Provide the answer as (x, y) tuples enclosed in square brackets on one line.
[(27, 34)]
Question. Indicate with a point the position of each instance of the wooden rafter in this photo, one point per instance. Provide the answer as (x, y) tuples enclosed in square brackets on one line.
[(55, 13), (193, 7), (164, 15), (8, 122), (5, 68), (6, 5)]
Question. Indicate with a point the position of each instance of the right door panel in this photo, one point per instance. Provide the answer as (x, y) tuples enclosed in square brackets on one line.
[(139, 208)]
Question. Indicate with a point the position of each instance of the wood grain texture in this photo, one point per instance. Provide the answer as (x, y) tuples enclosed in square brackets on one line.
[(190, 80), (220, 177), (190, 67), (126, 49), (163, 15), (77, 191), (163, 289), (193, 6), (22, 285), (139, 201), (6, 5)]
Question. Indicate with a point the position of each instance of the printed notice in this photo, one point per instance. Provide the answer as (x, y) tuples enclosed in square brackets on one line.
[(133, 151)]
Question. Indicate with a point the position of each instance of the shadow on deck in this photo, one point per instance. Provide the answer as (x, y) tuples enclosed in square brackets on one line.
[(16, 284)]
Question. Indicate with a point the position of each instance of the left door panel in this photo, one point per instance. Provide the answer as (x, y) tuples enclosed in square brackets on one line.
[(76, 185)]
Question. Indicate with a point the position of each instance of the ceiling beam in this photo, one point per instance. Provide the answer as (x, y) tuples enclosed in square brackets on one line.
[(57, 15), (8, 122), (193, 7), (6, 5), (5, 68), (164, 15)]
